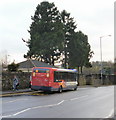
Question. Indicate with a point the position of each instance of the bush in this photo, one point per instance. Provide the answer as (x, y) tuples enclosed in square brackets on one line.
[(13, 67)]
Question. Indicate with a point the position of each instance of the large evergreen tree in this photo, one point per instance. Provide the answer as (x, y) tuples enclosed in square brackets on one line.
[(79, 51), (69, 31), (53, 36), (46, 34)]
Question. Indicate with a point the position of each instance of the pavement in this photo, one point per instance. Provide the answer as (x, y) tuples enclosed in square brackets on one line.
[(16, 92), (22, 92), (2, 93)]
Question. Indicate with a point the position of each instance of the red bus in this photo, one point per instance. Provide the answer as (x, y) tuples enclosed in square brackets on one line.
[(53, 79)]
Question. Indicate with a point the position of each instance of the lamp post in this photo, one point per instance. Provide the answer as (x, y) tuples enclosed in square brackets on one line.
[(101, 55)]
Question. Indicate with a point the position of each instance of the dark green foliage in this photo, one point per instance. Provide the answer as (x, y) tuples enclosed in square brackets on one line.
[(46, 34), (79, 51), (107, 70), (53, 36), (69, 31), (13, 67)]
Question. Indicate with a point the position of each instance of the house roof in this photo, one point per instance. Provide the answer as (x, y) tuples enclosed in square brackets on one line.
[(33, 63)]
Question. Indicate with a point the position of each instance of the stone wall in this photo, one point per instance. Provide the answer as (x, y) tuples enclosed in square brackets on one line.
[(24, 78), (7, 80), (95, 80)]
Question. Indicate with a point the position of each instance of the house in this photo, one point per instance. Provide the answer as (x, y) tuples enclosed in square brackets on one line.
[(26, 66)]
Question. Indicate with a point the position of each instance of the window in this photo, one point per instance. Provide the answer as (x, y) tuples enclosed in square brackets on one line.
[(67, 76), (41, 70), (60, 76), (56, 76)]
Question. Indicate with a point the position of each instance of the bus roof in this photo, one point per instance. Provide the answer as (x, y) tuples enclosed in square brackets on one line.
[(67, 70), (58, 69)]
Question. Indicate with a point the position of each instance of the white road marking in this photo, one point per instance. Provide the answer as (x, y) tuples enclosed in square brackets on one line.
[(51, 105), (13, 100), (48, 105), (61, 102), (78, 97), (6, 116), (21, 111), (44, 106), (33, 108)]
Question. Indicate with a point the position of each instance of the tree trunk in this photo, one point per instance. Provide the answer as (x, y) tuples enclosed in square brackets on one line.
[(78, 69), (81, 69)]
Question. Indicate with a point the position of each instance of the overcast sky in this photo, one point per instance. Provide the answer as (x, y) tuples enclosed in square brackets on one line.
[(94, 18)]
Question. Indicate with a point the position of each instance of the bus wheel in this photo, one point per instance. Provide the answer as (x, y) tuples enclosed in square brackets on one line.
[(60, 89), (75, 88)]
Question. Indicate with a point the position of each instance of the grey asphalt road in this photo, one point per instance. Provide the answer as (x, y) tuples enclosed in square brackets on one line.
[(87, 102)]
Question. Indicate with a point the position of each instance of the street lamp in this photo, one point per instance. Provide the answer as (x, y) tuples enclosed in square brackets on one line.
[(101, 55)]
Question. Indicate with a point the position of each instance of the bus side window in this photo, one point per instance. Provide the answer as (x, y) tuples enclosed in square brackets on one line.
[(75, 76), (71, 76), (66, 76), (56, 78), (60, 76)]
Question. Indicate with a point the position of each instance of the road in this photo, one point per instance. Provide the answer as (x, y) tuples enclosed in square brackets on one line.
[(87, 102)]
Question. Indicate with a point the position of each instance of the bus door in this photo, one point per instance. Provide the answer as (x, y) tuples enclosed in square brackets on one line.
[(40, 77)]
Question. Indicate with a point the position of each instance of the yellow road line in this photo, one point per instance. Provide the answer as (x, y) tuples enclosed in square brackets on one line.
[(10, 94)]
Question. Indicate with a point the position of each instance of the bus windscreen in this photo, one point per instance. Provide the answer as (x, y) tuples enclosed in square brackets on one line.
[(41, 70)]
